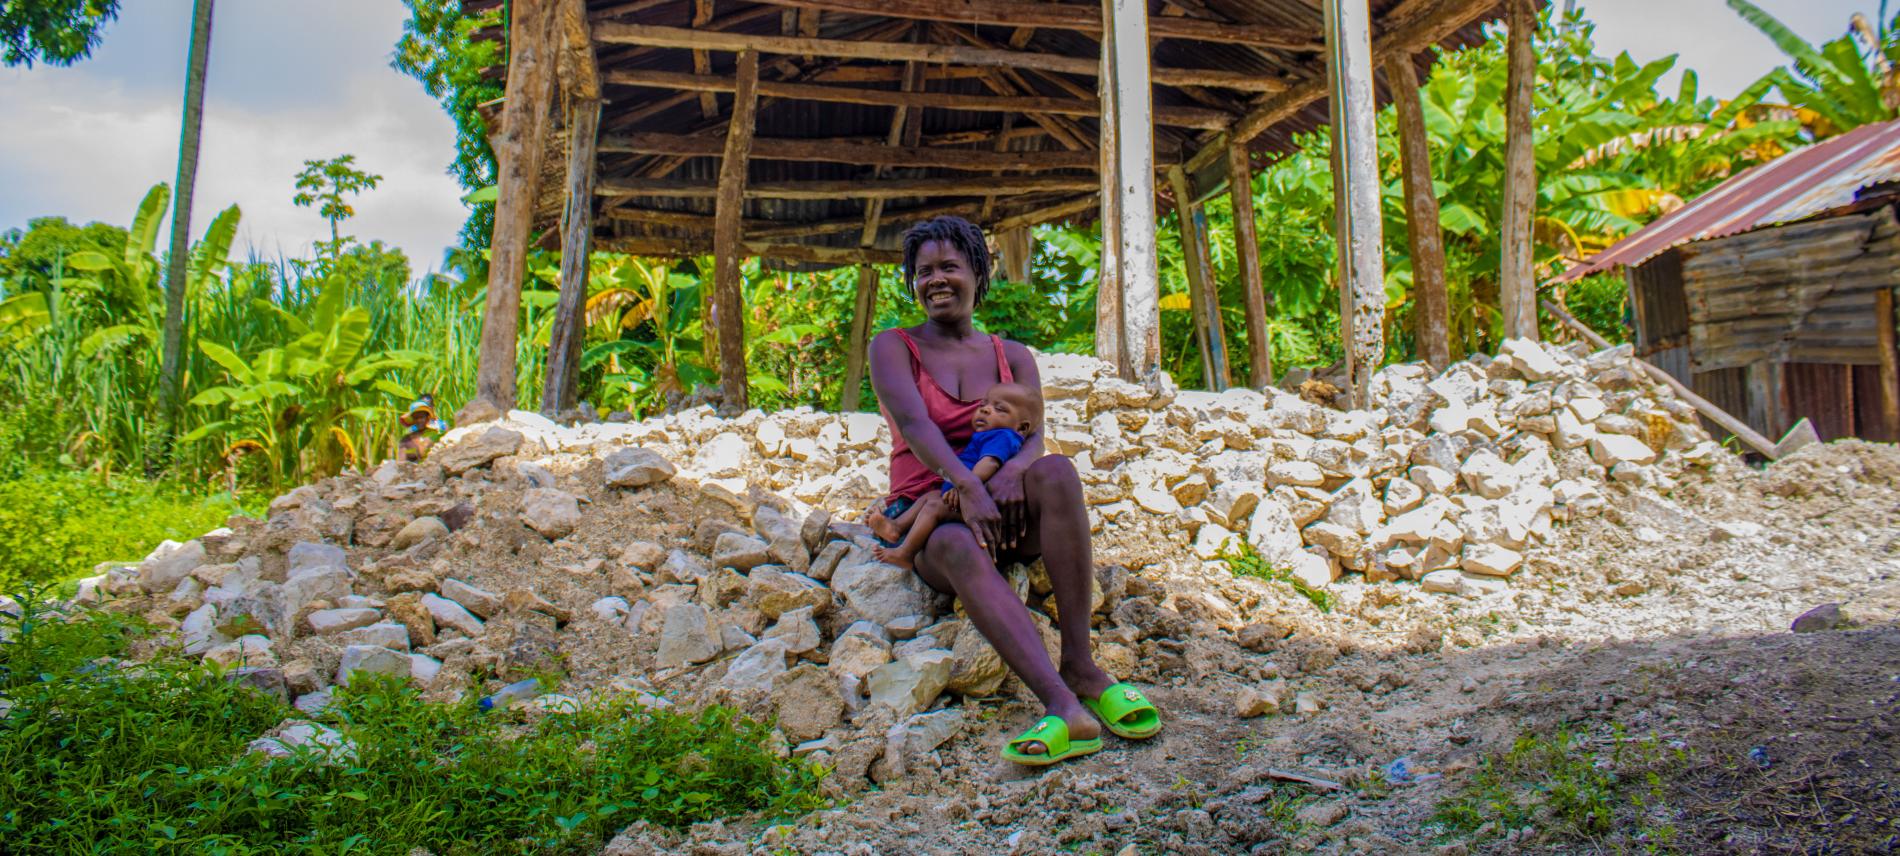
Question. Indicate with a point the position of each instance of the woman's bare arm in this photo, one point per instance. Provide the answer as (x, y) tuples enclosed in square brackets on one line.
[(897, 391), (1006, 487)]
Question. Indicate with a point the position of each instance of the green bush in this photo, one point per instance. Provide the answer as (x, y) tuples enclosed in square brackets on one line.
[(58, 525), (151, 759)]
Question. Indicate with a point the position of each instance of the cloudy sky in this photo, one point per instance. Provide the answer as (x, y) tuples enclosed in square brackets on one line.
[(295, 81)]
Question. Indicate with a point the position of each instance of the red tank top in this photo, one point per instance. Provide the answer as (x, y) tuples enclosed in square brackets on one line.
[(952, 415)]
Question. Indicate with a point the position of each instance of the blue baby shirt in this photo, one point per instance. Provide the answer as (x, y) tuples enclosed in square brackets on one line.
[(999, 443)]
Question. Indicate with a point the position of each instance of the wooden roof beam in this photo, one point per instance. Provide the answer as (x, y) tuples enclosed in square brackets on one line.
[(1423, 28), (896, 188), (851, 152), (809, 253), (1080, 17), (1184, 117), (690, 39)]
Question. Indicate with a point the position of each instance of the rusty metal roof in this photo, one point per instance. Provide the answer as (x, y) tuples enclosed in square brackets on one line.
[(1822, 179)]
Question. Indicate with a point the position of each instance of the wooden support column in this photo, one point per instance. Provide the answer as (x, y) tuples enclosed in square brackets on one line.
[(1517, 285), (1108, 289), (1356, 191), (1247, 257), (1203, 299), (1017, 246), (562, 387), (1125, 75), (518, 148), (863, 313), (1764, 381), (728, 242), (1431, 327), (1889, 365)]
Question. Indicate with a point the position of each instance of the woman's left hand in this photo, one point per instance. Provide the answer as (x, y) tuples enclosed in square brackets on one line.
[(1006, 489)]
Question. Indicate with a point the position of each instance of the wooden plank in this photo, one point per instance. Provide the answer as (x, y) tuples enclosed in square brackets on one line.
[(1418, 32), (1764, 395), (855, 153), (1181, 117), (1125, 49), (1517, 283), (1431, 312), (1356, 191), (1889, 355), (1715, 414), (702, 61), (863, 313), (1247, 253), (518, 150), (1077, 17), (560, 389), (1051, 213), (727, 236), (679, 37), (701, 245), (1193, 257), (892, 188), (579, 69)]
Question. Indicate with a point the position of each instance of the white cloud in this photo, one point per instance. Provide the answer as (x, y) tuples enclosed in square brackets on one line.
[(87, 146)]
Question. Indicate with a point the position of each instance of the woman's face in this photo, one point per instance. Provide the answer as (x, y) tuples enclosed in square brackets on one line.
[(945, 285)]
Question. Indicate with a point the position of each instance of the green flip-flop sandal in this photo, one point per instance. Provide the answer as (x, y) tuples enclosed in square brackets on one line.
[(1053, 734), (1126, 712)]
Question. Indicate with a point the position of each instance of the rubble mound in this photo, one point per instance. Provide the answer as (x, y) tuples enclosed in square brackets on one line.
[(694, 560)]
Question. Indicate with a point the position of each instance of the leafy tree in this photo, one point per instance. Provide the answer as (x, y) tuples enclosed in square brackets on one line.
[(437, 48), (1839, 85), (55, 32), (325, 184)]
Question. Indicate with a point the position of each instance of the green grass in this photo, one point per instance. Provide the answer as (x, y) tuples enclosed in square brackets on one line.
[(1566, 787), (56, 526), (116, 760), (1243, 560)]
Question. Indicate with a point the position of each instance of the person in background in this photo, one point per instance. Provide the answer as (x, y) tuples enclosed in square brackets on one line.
[(417, 424)]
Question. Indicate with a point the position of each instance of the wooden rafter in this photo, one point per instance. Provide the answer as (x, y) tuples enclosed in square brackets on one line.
[(852, 152), (678, 37), (1079, 17), (700, 245), (1184, 117), (895, 188)]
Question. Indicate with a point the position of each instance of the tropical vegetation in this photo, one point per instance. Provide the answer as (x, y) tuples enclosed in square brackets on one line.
[(293, 369)]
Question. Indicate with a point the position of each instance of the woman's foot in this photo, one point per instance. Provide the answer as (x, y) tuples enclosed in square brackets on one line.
[(1082, 726), (1086, 680)]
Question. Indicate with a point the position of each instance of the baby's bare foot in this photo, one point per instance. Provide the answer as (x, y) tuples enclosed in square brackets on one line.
[(884, 527), (892, 556)]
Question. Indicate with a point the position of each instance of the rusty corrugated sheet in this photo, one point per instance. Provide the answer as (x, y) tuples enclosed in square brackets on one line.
[(1820, 179)]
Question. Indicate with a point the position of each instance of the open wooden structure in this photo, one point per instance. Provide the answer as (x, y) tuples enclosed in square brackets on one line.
[(812, 132), (1772, 295)]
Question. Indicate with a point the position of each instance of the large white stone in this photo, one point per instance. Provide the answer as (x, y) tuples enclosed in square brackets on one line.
[(1355, 506), (880, 592), (326, 621), (723, 456), (636, 467), (909, 685), (687, 636), (448, 613), (1490, 560), (553, 513), (756, 667), (1488, 475), (1612, 449), (168, 564), (480, 601), (1302, 473), (371, 659), (1272, 532)]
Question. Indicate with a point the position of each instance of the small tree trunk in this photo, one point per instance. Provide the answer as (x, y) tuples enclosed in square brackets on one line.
[(171, 371)]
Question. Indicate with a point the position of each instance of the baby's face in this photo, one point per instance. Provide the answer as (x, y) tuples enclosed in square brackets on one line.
[(1001, 410)]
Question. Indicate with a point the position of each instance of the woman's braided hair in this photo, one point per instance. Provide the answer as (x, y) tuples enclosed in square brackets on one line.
[(962, 234)]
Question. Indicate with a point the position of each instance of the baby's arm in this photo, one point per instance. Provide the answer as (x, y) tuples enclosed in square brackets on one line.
[(983, 470)]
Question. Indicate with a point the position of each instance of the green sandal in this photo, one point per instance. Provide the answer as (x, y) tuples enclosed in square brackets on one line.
[(1053, 733), (1126, 712)]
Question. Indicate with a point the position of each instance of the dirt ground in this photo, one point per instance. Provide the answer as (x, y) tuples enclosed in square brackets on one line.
[(1642, 665)]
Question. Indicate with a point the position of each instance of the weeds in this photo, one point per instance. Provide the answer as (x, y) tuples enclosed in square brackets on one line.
[(1243, 560), (1568, 788), (102, 757)]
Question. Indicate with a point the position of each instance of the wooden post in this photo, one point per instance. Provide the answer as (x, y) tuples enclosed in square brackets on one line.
[(1191, 259), (1889, 364), (1431, 328), (1356, 190), (561, 389), (727, 240), (1517, 285), (1017, 248), (863, 313), (1247, 255), (1764, 381), (1108, 291), (1126, 72), (1216, 328), (517, 148)]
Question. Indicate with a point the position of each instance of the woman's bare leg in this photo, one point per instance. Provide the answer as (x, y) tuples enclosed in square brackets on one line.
[(952, 562), (1059, 533)]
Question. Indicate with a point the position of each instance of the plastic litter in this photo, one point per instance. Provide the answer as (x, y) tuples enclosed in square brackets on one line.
[(511, 695), (1760, 757), (1399, 772)]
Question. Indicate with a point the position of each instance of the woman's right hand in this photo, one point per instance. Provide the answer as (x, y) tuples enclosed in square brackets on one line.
[(979, 513)]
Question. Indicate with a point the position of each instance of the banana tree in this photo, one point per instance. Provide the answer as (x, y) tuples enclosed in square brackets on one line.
[(644, 317), (304, 407)]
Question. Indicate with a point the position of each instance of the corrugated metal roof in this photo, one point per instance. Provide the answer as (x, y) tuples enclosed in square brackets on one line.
[(1820, 179)]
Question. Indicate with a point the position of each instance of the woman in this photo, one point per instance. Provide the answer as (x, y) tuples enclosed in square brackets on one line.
[(929, 380)]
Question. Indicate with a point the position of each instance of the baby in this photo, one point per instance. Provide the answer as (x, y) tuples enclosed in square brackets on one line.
[(1009, 413)]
